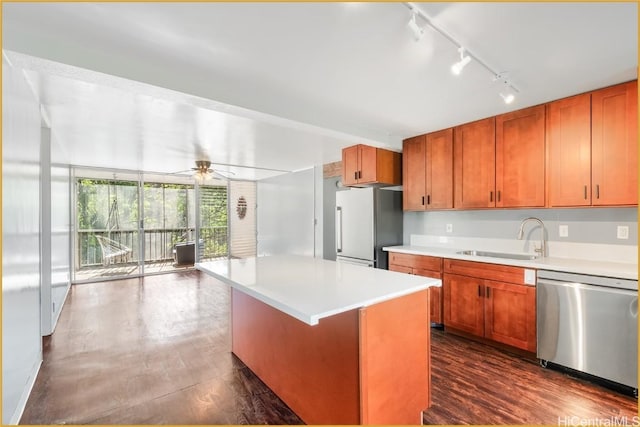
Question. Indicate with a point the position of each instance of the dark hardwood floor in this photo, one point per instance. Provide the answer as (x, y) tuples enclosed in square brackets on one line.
[(475, 383), (157, 351)]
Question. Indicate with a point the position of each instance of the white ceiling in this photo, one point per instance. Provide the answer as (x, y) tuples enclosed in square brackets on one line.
[(151, 86)]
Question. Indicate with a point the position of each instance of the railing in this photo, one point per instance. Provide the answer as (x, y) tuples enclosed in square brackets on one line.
[(158, 244)]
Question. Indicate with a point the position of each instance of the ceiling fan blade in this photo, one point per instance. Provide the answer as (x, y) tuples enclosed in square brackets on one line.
[(222, 174)]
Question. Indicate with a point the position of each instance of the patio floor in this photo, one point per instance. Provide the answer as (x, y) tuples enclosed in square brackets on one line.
[(99, 272)]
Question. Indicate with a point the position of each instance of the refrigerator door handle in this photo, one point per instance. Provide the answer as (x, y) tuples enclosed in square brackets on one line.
[(338, 229)]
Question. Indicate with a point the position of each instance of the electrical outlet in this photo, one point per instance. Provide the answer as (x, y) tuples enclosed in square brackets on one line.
[(623, 232), (449, 228), (563, 231)]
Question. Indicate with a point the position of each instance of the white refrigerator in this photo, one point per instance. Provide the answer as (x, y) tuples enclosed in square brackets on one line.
[(367, 219)]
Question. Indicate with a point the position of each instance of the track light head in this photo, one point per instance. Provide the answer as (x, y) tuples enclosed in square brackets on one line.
[(508, 93), (458, 66), (416, 29), (507, 97)]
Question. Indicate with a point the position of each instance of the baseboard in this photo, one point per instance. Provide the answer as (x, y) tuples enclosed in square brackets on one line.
[(59, 311), (22, 403)]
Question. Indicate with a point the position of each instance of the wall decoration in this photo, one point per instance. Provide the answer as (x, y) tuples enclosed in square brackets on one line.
[(241, 207)]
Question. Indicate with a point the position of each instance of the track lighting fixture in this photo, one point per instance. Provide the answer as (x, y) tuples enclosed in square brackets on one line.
[(416, 29), (508, 97), (508, 93), (464, 60)]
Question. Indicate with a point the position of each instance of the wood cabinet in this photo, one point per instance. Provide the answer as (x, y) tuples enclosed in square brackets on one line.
[(593, 148), (614, 145), (464, 303), (490, 301), (428, 171), (569, 139), (474, 165), (520, 158), (414, 153), (365, 165), (426, 266)]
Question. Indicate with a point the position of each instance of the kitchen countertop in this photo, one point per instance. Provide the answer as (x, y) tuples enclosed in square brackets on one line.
[(568, 265), (310, 289)]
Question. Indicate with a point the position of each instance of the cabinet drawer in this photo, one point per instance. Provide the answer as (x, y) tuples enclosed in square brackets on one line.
[(416, 261), (482, 270), (427, 273), (400, 268)]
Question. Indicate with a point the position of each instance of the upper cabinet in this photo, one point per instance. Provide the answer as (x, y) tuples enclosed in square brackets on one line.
[(577, 151), (614, 145), (593, 148), (428, 171), (363, 165), (520, 156), (474, 164), (569, 139)]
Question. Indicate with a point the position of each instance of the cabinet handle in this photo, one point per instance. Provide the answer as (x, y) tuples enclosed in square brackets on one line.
[(355, 175), (422, 200), (359, 174), (597, 191), (585, 192), (487, 292), (498, 195), (479, 291), (428, 199), (491, 196)]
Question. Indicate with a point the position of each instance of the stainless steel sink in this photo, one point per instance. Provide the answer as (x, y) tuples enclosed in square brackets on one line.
[(499, 255)]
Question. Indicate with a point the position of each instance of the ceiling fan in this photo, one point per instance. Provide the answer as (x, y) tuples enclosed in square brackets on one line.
[(203, 171)]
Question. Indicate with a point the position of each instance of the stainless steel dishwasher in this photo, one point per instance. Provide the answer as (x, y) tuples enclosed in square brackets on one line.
[(589, 324)]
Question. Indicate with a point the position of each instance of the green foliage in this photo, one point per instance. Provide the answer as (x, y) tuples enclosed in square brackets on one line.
[(168, 208)]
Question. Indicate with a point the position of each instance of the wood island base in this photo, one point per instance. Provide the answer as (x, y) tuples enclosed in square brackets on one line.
[(370, 365)]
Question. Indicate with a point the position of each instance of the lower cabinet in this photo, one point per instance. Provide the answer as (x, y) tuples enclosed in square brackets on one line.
[(490, 301), (426, 266)]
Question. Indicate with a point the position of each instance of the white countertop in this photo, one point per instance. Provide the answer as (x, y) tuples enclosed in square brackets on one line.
[(568, 265), (310, 289)]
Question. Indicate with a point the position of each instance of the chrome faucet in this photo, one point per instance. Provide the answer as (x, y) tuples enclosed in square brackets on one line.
[(542, 250)]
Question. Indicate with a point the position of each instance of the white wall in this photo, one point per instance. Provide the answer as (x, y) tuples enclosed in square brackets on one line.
[(21, 339), (60, 240), (286, 214)]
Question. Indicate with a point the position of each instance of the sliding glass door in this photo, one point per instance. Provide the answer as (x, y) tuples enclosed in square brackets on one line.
[(107, 228), (130, 224), (169, 226)]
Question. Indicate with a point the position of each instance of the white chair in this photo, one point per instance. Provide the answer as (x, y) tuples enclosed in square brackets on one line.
[(112, 249)]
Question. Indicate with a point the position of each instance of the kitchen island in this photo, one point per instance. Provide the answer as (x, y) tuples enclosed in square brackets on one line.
[(339, 343)]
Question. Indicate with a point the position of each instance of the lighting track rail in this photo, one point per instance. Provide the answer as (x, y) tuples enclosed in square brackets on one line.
[(465, 55)]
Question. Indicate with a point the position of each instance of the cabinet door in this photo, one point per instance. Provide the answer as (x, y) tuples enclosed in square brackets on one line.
[(350, 165), (400, 268), (367, 164), (520, 157), (569, 139), (435, 294), (510, 314), (614, 145), (413, 174), (463, 303), (435, 313), (439, 170), (474, 164)]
